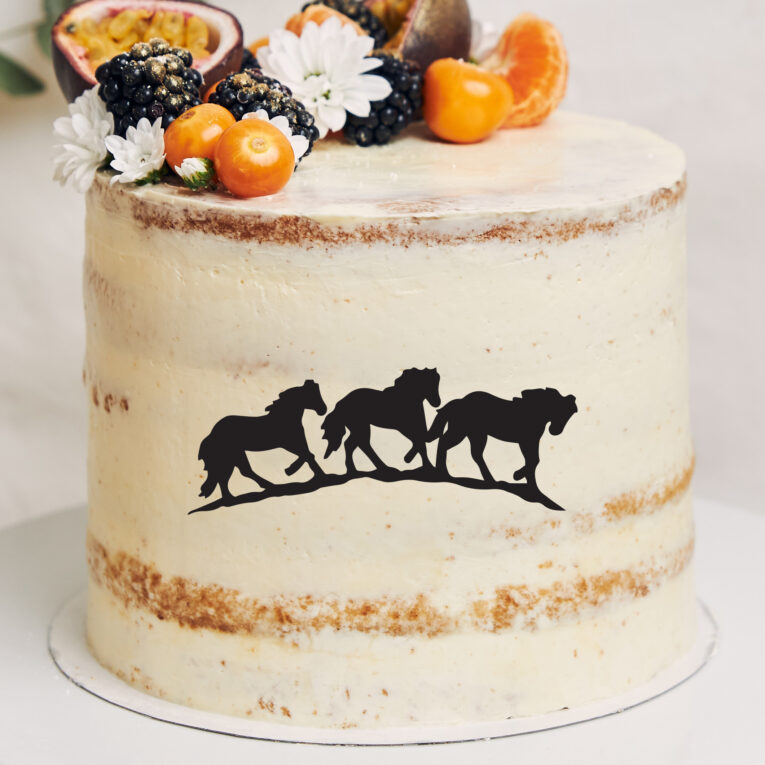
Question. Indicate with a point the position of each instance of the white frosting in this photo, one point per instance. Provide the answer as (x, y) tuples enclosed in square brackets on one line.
[(570, 162), (187, 327)]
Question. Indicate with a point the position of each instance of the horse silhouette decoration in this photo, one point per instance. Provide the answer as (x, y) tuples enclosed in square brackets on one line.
[(522, 420), (398, 407), (282, 427)]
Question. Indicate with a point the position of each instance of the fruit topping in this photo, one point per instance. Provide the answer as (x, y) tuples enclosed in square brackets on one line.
[(463, 102), (425, 30), (92, 32), (327, 68), (391, 115), (248, 92), (152, 80), (195, 133), (358, 12), (319, 14), (532, 57), (248, 60), (253, 158)]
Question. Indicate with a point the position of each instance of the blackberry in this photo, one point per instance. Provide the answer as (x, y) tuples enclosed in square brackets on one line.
[(251, 90), (151, 80), (391, 115), (357, 11), (248, 60)]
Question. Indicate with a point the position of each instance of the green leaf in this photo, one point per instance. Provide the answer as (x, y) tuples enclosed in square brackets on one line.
[(53, 9), (17, 80), (43, 37)]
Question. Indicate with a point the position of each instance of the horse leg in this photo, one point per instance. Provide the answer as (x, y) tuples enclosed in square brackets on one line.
[(451, 438), (295, 466), (530, 451), (350, 447), (246, 470), (314, 465), (416, 434), (300, 448), (418, 447), (307, 457), (477, 445), (362, 439), (223, 476)]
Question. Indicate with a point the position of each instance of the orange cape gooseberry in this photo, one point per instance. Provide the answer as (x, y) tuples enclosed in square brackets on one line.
[(253, 159), (195, 133), (464, 103)]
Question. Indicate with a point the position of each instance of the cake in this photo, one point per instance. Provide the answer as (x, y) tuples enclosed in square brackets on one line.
[(435, 400)]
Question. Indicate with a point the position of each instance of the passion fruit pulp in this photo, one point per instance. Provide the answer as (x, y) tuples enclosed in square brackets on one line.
[(425, 30), (94, 31)]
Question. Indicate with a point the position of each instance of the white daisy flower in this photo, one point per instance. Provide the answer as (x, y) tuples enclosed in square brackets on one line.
[(82, 149), (196, 172), (483, 40), (298, 142), (325, 68), (139, 156)]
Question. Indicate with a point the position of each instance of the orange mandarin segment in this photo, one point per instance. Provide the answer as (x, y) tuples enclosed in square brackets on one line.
[(532, 57)]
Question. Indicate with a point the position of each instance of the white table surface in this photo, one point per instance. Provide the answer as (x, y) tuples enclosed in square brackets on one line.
[(715, 717)]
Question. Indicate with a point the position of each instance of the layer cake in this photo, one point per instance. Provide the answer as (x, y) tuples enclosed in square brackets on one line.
[(484, 348)]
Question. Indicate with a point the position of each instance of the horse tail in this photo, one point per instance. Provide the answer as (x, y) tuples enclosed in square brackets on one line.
[(439, 424), (334, 430), (205, 455)]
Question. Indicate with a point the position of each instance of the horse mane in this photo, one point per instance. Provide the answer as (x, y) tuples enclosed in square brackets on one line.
[(551, 398), (410, 374), (538, 395), (285, 399), (403, 378)]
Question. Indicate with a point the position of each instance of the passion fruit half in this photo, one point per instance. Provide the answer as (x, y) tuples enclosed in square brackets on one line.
[(94, 31), (425, 30)]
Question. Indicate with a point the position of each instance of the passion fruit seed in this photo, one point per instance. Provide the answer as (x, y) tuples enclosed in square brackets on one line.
[(391, 13), (90, 33), (104, 39)]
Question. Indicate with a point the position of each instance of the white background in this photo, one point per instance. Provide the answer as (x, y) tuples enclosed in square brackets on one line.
[(693, 71)]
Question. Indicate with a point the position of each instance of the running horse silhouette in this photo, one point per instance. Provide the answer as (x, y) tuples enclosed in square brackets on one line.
[(282, 427), (398, 407), (522, 420)]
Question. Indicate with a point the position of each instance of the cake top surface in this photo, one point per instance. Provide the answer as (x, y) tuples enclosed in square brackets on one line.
[(570, 162)]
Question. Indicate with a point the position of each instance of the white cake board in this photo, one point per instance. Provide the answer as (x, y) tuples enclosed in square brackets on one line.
[(68, 647)]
